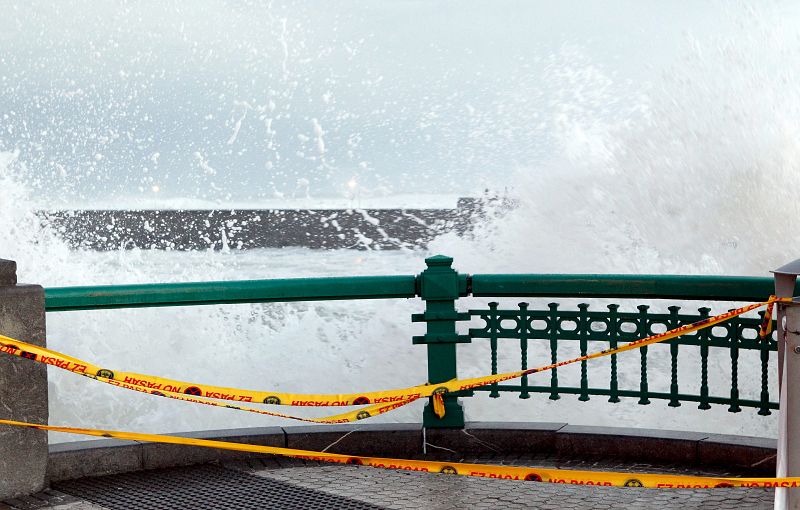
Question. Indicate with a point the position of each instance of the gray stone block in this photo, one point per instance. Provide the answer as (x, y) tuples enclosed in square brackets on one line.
[(379, 440), (161, 455), (755, 455), (8, 272), (93, 458), (485, 441), (653, 445), (23, 393), (495, 438)]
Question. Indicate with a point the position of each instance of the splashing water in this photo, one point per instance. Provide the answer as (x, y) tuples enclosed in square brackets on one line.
[(699, 176), (693, 175)]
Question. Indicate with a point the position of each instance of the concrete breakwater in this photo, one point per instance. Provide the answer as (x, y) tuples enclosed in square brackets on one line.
[(242, 229)]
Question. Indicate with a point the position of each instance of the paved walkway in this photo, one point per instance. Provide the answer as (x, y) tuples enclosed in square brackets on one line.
[(287, 483)]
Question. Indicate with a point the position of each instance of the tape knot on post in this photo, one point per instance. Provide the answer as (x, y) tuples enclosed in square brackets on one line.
[(766, 324), (438, 405)]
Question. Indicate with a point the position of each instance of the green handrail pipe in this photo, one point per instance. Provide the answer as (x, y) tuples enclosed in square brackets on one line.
[(59, 299), (706, 288), (688, 287)]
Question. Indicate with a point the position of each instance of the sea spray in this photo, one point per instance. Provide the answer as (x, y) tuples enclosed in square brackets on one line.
[(693, 174), (699, 176)]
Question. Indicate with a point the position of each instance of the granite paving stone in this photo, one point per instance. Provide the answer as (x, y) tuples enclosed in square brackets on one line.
[(421, 490), (398, 490)]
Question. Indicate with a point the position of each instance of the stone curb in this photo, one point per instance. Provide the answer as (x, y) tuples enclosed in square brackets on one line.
[(751, 455), (8, 272)]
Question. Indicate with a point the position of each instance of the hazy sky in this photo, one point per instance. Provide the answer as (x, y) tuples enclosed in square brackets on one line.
[(237, 101)]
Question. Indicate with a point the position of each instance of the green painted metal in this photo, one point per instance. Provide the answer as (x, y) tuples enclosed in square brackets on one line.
[(439, 287), (705, 288), (214, 293), (561, 332), (709, 288), (558, 329), (613, 335)]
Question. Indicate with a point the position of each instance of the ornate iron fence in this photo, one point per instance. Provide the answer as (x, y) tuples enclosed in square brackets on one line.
[(555, 328)]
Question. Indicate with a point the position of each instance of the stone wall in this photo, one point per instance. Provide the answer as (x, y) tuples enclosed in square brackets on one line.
[(23, 388), (243, 229)]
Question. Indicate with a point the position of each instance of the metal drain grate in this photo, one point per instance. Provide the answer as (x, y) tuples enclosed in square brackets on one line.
[(204, 487)]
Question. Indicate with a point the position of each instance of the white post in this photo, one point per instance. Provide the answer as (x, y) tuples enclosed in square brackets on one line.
[(788, 336)]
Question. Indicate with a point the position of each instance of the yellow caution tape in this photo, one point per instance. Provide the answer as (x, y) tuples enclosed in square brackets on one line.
[(351, 416), (766, 324), (159, 385), (531, 474), (438, 405), (190, 391), (33, 352), (381, 401)]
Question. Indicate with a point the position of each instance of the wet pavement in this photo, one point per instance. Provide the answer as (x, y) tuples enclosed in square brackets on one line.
[(288, 483)]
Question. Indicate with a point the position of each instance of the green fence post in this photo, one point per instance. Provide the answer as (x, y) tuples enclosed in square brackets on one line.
[(440, 286)]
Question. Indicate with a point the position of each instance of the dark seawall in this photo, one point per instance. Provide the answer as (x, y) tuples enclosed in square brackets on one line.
[(259, 228)]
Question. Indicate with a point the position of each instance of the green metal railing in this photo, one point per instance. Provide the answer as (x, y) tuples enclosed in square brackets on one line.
[(218, 293), (556, 327), (705, 288), (553, 327)]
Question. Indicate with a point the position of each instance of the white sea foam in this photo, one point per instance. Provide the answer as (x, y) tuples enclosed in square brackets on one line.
[(695, 175)]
